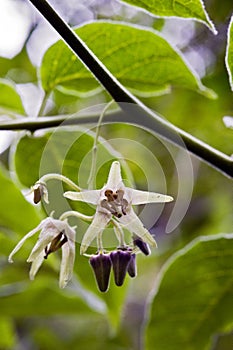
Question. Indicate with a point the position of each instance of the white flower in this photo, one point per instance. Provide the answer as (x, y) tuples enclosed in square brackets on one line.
[(115, 200), (54, 234)]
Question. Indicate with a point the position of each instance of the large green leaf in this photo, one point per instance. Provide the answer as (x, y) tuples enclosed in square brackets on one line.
[(19, 68), (15, 212), (223, 341), (8, 339), (229, 52), (141, 59), (65, 151), (193, 9), (42, 297), (194, 297), (10, 100)]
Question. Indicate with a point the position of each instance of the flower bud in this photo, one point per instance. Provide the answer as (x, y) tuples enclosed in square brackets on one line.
[(132, 267), (37, 195), (40, 191), (101, 265), (143, 246), (120, 262)]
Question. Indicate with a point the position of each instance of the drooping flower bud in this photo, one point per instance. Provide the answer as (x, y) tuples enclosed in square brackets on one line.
[(120, 262), (143, 246), (132, 267), (101, 265), (40, 191), (56, 243)]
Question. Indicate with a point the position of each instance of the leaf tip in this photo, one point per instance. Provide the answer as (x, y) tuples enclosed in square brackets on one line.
[(209, 93)]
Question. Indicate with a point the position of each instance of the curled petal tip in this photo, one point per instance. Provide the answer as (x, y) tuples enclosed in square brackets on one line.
[(114, 176), (69, 194), (63, 284), (83, 249), (115, 163), (10, 260), (31, 276)]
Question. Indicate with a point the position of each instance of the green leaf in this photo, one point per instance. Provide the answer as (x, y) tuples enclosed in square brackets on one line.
[(193, 9), (8, 339), (88, 331), (141, 59), (19, 68), (15, 212), (10, 100), (194, 297), (223, 341), (42, 298), (66, 152), (229, 52)]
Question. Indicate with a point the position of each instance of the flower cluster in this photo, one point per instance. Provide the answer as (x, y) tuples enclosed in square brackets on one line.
[(122, 261), (113, 205), (54, 234)]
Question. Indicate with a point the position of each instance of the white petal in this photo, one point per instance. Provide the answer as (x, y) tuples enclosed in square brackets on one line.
[(143, 197), (70, 232), (84, 196), (67, 263), (46, 195), (21, 242), (114, 176), (98, 224), (46, 236), (36, 264), (131, 222)]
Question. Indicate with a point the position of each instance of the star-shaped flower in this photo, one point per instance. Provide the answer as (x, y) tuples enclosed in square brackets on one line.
[(114, 201), (54, 234)]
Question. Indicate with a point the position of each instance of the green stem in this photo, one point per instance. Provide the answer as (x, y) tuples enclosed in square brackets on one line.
[(136, 111), (43, 104), (119, 233), (76, 214), (215, 158), (54, 176), (90, 180)]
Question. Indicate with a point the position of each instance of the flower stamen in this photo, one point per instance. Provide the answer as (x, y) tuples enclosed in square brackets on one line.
[(115, 201), (56, 244)]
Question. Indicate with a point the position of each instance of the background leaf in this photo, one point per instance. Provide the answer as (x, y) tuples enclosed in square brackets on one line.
[(53, 300), (19, 68), (193, 9), (8, 339), (194, 298), (222, 341), (142, 60), (15, 212), (10, 100), (229, 52)]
